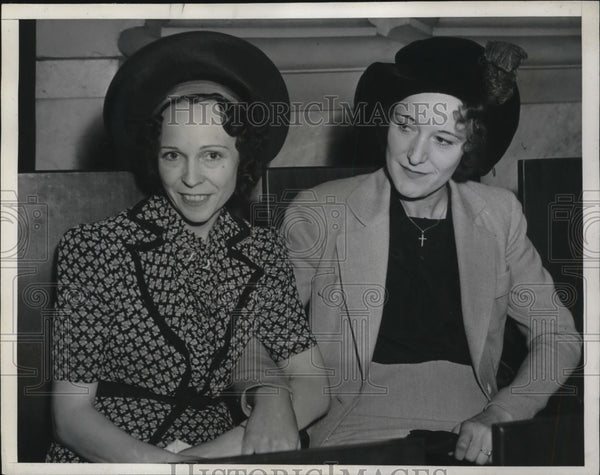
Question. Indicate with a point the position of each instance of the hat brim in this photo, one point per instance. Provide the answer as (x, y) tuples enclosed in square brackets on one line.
[(145, 79)]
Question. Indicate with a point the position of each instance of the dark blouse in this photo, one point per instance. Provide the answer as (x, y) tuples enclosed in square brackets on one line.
[(422, 317)]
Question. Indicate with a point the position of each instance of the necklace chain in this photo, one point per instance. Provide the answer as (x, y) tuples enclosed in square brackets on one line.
[(423, 238)]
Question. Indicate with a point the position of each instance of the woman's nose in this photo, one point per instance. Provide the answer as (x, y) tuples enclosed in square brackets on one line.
[(193, 174), (417, 151)]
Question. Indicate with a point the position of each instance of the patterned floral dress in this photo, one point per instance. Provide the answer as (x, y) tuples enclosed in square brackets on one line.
[(159, 318)]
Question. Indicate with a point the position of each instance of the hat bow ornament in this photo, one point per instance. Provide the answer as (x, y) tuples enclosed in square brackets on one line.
[(501, 60)]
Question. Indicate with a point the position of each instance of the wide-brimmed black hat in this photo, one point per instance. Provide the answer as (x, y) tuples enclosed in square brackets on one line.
[(148, 76), (458, 67)]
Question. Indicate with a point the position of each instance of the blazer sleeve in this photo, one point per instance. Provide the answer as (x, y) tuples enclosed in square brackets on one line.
[(305, 240), (553, 342)]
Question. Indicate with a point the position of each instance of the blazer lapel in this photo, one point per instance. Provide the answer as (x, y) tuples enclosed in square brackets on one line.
[(363, 254), (363, 251), (476, 266)]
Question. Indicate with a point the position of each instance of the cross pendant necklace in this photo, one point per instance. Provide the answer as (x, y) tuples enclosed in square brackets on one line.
[(422, 238), (445, 208)]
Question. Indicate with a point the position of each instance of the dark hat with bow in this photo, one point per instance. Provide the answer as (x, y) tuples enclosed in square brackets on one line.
[(480, 77)]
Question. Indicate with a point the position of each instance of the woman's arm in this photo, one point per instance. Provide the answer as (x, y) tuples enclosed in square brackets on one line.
[(227, 444), (85, 307), (277, 413), (85, 431), (309, 383), (283, 335), (553, 343)]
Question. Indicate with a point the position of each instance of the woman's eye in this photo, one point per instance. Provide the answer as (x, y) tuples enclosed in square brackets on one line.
[(213, 155), (403, 126), (170, 155), (443, 141)]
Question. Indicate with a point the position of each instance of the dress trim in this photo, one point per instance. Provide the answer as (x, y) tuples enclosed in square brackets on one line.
[(184, 394), (248, 289)]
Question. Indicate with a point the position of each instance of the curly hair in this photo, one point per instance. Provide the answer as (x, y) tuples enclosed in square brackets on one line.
[(498, 87), (249, 143), (474, 146)]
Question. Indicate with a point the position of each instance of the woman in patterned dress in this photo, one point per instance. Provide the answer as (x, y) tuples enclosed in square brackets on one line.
[(159, 306)]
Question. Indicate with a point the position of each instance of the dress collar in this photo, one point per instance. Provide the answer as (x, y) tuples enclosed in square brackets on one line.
[(158, 215)]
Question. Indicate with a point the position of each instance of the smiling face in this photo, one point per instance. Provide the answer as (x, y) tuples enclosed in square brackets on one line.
[(424, 143), (197, 162)]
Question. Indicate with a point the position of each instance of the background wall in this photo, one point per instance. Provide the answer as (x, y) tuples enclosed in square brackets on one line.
[(75, 61)]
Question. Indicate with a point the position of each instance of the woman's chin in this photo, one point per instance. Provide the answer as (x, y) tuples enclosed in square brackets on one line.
[(196, 220), (412, 193), (196, 214), (415, 193)]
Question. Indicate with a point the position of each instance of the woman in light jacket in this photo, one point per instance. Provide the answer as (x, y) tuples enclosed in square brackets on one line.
[(410, 272)]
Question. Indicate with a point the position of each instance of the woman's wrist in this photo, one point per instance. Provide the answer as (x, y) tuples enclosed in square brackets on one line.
[(497, 413), (261, 393), (179, 458)]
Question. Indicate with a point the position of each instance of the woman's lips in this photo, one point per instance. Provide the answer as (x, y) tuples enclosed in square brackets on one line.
[(194, 199), (413, 173)]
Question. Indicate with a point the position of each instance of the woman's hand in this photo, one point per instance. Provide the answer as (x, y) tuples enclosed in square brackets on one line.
[(92, 436), (227, 444), (272, 423), (475, 435)]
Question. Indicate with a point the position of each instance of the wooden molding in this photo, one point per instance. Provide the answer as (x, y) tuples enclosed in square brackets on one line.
[(335, 43)]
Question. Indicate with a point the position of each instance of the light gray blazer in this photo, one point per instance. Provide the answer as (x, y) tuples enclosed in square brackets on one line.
[(338, 237)]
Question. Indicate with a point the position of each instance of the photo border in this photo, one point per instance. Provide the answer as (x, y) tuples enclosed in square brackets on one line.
[(12, 13)]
